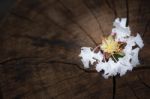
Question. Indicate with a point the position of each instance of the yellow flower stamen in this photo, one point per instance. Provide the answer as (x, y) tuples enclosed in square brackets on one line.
[(110, 46)]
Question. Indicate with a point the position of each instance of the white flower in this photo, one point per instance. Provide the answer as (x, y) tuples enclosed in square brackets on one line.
[(118, 52), (130, 42), (139, 41), (134, 59), (89, 57), (112, 68), (109, 68), (124, 65), (120, 29)]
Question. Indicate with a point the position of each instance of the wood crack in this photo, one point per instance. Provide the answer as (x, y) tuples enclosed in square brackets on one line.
[(127, 12)]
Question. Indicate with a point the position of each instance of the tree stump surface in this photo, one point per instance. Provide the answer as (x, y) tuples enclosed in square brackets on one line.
[(40, 41)]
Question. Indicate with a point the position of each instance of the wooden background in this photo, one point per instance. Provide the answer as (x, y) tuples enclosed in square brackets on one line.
[(40, 41)]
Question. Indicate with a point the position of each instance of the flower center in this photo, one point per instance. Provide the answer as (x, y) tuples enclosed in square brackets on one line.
[(109, 45)]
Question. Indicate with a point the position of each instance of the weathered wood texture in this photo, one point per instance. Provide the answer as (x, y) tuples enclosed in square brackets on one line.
[(40, 41)]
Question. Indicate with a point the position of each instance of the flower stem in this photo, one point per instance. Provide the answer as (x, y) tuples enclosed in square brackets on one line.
[(114, 87)]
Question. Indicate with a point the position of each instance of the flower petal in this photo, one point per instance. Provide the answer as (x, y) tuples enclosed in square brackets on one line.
[(120, 29), (98, 56), (139, 40), (135, 60), (86, 55), (89, 57)]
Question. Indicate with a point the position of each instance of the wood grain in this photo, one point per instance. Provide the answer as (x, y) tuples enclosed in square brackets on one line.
[(41, 39)]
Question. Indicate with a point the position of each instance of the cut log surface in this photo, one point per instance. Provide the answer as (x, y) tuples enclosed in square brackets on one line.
[(40, 41)]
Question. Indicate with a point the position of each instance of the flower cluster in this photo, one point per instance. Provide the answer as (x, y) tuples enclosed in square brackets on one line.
[(118, 52)]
